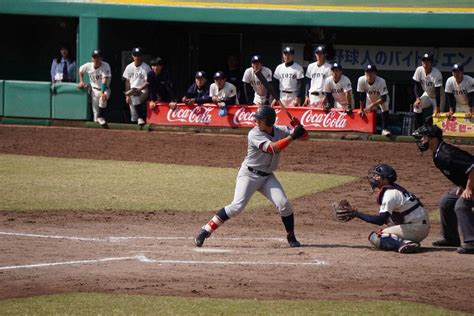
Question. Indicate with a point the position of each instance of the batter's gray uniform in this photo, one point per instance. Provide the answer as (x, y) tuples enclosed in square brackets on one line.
[(256, 173)]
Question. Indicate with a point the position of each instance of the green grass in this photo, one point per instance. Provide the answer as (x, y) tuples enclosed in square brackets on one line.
[(104, 304), (434, 216), (40, 183)]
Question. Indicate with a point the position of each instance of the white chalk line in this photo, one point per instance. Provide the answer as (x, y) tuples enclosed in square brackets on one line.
[(65, 263), (127, 238), (144, 259)]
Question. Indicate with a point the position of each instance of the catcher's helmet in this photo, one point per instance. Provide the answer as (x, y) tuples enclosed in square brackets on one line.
[(431, 131), (266, 113), (384, 171)]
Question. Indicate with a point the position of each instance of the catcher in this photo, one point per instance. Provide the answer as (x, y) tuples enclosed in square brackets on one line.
[(401, 210)]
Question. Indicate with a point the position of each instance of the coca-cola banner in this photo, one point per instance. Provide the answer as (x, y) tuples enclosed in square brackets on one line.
[(243, 116)]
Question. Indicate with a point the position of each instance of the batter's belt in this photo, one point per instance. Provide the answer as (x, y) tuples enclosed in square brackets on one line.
[(258, 172)]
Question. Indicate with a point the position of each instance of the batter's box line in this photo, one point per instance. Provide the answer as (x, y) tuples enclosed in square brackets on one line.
[(144, 259), (127, 238)]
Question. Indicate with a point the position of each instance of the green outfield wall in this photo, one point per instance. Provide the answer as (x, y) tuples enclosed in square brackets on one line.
[(33, 99), (27, 99), (1, 97), (69, 103)]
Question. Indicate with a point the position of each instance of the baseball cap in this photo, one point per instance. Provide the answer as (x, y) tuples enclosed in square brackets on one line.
[(200, 74), (320, 49), (457, 67), (157, 61), (370, 68), (427, 56), (96, 52), (219, 75), (288, 50), (336, 65), (256, 59), (137, 51)]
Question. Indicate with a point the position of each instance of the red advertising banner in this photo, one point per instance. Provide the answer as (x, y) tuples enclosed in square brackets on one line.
[(243, 116)]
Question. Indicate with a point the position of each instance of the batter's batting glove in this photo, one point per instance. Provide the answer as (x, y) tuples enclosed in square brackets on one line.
[(295, 122), (298, 132)]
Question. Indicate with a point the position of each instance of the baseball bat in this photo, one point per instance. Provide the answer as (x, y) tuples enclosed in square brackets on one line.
[(272, 91)]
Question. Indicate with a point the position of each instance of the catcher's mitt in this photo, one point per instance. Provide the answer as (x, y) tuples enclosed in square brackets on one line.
[(342, 211)]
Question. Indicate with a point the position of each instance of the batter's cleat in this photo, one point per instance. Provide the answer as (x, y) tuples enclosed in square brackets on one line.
[(141, 122), (411, 247), (292, 241), (199, 239), (446, 243)]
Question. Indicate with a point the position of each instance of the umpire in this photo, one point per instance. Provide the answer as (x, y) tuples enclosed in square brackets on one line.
[(456, 206)]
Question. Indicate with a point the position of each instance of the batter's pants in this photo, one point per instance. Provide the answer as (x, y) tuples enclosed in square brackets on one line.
[(454, 211), (248, 183)]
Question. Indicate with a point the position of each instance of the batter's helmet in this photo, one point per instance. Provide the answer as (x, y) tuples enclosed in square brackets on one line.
[(267, 114), (384, 171)]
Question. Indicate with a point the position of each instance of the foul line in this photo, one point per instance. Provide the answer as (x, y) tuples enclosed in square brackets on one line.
[(126, 238), (144, 259)]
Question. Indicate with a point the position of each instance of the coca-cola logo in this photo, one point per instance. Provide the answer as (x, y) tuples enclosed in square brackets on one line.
[(333, 119), (199, 114), (244, 116)]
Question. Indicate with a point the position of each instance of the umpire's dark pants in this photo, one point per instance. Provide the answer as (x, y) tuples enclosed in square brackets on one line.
[(455, 210)]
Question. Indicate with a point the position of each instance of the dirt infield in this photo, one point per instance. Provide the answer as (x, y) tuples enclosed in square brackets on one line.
[(71, 251)]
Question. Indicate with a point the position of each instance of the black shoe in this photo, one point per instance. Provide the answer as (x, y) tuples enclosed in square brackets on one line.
[(292, 241), (199, 239), (410, 247), (465, 251), (446, 243)]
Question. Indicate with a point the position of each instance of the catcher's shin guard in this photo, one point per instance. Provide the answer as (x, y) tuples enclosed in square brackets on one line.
[(385, 241)]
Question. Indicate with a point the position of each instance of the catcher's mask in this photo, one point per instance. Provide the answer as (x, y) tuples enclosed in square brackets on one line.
[(423, 134), (266, 113), (379, 172)]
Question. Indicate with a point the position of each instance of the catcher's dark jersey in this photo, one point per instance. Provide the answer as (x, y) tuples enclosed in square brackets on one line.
[(454, 163)]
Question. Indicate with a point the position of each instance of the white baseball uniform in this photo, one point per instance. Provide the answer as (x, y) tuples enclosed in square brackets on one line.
[(338, 91), (415, 225), (96, 75), (428, 83), (318, 75), (249, 182), (260, 96), (137, 77), (288, 78), (460, 91), (228, 91), (374, 91)]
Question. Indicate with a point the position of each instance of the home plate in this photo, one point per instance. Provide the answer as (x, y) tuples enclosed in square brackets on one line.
[(212, 250)]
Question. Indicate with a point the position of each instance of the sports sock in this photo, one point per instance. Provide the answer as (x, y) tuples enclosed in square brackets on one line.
[(216, 221)]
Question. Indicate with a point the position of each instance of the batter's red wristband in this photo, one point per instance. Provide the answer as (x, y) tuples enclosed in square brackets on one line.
[(282, 143)]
